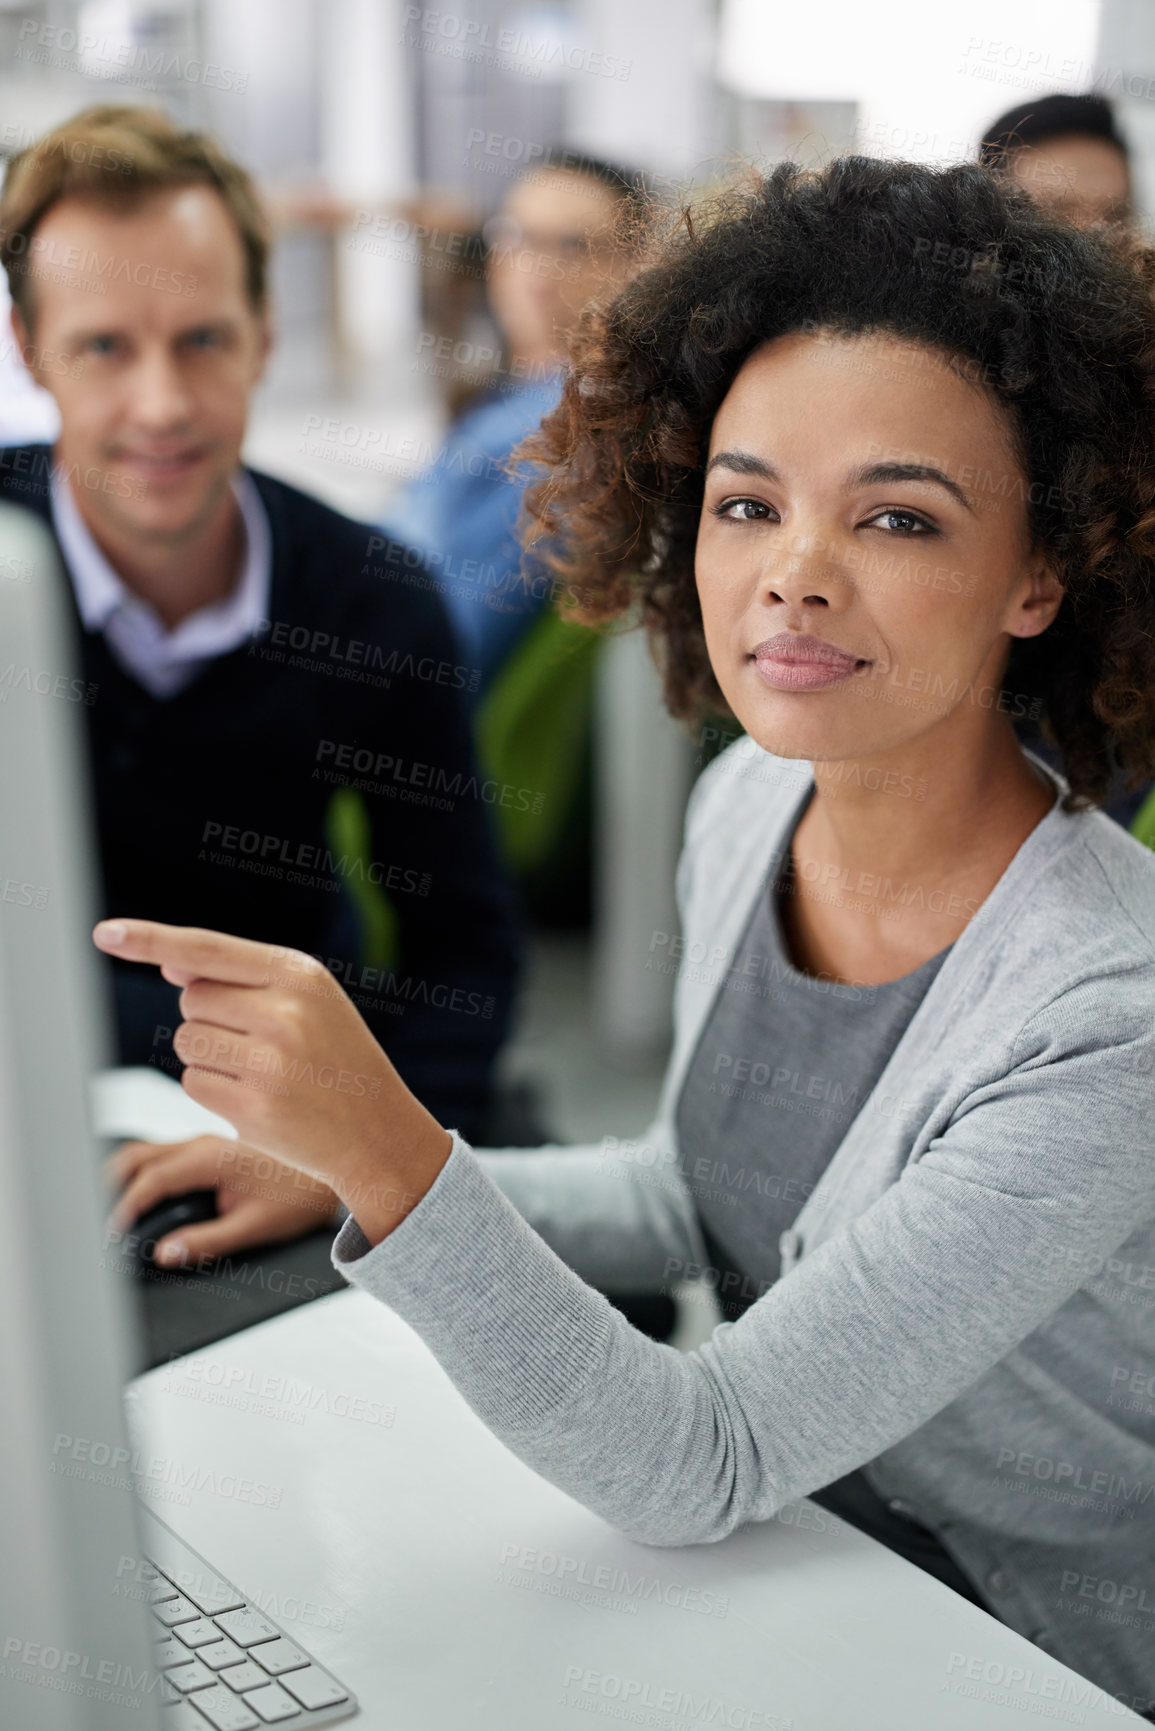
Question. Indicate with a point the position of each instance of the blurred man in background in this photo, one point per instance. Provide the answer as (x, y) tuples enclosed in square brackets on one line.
[(279, 740), (1068, 153)]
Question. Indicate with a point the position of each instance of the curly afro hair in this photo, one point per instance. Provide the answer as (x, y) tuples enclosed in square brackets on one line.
[(1057, 323)]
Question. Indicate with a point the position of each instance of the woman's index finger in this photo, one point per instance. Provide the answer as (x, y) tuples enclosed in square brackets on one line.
[(203, 953)]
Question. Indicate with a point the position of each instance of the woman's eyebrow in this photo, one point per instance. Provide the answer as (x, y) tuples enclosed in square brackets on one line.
[(743, 463), (746, 463), (877, 472)]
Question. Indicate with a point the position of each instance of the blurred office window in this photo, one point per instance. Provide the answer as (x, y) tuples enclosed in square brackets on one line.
[(924, 80), (1125, 59)]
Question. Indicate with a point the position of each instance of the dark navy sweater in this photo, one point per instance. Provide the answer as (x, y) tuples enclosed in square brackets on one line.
[(214, 806)]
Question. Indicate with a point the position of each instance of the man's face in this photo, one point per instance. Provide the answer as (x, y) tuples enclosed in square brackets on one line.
[(148, 308), (1085, 180)]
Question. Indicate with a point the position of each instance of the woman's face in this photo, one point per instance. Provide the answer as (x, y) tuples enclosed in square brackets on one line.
[(861, 495)]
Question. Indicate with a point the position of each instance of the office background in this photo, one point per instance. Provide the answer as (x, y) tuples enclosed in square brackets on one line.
[(384, 133)]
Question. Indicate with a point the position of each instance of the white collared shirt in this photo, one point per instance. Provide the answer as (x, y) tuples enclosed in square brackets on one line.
[(163, 661)]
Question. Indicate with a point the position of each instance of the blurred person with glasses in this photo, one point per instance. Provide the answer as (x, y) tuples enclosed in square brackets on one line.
[(565, 234)]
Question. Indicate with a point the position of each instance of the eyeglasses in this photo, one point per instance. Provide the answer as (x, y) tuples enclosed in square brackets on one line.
[(505, 233)]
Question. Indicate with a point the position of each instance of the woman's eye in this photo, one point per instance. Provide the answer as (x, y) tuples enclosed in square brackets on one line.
[(742, 510), (101, 345), (903, 522)]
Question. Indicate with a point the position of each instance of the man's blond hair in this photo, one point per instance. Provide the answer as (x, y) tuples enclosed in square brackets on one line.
[(117, 156)]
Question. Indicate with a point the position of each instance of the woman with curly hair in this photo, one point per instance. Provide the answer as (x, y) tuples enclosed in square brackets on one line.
[(872, 450)]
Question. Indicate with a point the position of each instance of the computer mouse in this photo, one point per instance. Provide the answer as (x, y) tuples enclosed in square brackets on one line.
[(169, 1216)]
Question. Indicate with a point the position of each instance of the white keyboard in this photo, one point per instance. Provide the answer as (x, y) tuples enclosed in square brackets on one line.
[(222, 1662)]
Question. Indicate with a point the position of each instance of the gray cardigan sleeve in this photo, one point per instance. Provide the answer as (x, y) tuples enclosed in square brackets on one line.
[(619, 1214), (1039, 1176)]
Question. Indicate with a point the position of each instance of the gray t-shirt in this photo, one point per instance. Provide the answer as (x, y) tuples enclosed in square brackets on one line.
[(782, 1068)]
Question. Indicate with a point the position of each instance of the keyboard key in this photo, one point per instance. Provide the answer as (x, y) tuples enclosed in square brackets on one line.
[(208, 1591), (178, 1610), (246, 1627), (280, 1655), (313, 1687), (246, 1676), (220, 1654), (199, 1633), (194, 1675), (226, 1711), (182, 1717), (272, 1704), (168, 1652)]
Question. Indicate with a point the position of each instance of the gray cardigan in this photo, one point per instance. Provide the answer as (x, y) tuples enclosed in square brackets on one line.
[(967, 1300)]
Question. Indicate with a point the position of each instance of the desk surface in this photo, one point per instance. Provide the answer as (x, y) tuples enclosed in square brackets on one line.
[(345, 1485)]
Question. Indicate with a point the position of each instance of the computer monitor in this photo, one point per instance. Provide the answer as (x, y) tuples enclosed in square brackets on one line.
[(73, 1651), (89, 1578)]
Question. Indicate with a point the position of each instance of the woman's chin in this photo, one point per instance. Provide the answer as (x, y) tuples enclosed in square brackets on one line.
[(803, 739)]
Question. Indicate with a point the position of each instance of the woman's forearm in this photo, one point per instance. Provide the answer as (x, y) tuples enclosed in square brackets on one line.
[(851, 1352), (617, 1212), (381, 1186)]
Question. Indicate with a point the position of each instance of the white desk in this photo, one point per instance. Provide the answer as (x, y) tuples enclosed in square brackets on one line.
[(393, 1554)]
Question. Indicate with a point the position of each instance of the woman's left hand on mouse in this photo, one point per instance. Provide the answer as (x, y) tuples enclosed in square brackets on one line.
[(272, 1043)]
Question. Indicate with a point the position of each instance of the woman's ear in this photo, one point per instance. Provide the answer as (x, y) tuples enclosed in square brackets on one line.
[(1037, 599)]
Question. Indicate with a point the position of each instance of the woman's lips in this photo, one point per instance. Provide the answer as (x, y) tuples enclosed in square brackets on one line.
[(789, 664)]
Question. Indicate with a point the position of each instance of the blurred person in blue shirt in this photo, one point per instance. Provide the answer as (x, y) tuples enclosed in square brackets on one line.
[(558, 241)]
